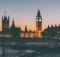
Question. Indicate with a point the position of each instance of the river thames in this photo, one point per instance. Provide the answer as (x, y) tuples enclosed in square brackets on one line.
[(10, 52)]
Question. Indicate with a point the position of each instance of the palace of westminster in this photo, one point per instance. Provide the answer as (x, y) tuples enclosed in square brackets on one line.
[(13, 31)]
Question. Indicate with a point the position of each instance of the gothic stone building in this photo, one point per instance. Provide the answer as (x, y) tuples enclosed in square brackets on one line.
[(14, 31), (9, 32), (34, 33)]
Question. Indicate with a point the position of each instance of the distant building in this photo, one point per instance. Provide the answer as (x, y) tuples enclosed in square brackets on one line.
[(51, 32), (14, 31), (27, 34), (5, 25), (34, 33), (38, 24)]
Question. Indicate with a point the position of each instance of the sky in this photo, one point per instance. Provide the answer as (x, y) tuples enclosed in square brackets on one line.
[(24, 12)]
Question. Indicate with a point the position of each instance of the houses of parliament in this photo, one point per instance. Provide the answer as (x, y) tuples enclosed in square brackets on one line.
[(13, 31)]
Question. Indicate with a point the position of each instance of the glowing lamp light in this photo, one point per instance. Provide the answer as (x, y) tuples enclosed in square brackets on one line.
[(39, 19)]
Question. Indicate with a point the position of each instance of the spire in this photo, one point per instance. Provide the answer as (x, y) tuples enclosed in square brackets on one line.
[(5, 13), (13, 25), (25, 28), (38, 13), (13, 21), (5, 17)]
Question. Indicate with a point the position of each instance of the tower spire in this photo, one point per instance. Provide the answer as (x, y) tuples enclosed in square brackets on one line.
[(13, 21), (38, 24), (5, 12), (13, 25), (38, 13), (25, 28)]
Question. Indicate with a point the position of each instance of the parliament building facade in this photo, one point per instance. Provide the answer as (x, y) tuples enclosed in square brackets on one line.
[(14, 31)]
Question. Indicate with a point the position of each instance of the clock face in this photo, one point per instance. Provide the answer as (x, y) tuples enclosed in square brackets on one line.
[(39, 19)]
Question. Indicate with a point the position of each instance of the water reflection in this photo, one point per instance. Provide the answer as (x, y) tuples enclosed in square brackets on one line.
[(9, 52)]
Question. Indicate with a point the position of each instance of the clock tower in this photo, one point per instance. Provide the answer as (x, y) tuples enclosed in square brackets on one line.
[(38, 24)]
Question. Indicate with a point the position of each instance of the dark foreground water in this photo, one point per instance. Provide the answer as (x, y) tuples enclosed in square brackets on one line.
[(28, 53)]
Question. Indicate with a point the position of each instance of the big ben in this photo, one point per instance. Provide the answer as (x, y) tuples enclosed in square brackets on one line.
[(38, 24)]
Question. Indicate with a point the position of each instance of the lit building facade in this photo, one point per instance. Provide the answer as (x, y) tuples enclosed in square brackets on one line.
[(38, 24), (27, 33), (14, 31), (34, 33)]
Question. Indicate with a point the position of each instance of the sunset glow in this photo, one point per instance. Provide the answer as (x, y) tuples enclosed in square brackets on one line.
[(24, 12)]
